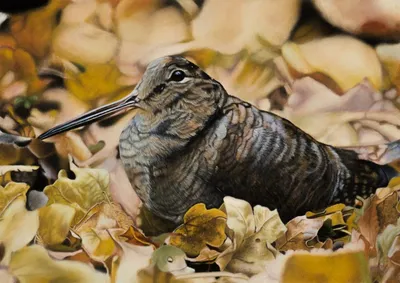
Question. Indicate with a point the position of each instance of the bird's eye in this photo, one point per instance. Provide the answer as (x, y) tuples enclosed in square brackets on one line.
[(177, 76)]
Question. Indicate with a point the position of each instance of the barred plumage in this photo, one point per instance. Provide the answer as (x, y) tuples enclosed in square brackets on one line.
[(191, 142)]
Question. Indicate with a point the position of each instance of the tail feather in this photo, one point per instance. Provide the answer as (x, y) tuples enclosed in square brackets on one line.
[(365, 176), (387, 172)]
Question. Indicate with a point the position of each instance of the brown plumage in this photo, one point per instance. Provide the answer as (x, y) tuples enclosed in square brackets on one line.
[(191, 142)]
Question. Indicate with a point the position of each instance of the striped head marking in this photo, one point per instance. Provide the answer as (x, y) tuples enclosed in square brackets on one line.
[(168, 80)]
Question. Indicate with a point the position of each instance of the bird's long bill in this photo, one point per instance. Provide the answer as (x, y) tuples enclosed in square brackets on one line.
[(92, 116)]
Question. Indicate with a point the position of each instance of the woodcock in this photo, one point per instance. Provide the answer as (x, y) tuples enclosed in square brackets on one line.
[(192, 142)]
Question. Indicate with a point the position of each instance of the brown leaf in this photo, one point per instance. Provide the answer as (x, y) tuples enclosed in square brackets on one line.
[(377, 216), (299, 230), (26, 28), (201, 227)]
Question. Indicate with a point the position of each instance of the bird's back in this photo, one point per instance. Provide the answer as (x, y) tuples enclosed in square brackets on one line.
[(267, 160)]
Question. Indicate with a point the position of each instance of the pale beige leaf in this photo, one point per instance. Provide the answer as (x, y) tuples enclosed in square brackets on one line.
[(213, 27), (133, 259), (347, 68), (33, 265), (79, 43), (373, 18), (251, 235), (10, 192), (18, 226)]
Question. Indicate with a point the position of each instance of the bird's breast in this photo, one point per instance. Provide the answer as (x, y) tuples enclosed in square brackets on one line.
[(167, 173)]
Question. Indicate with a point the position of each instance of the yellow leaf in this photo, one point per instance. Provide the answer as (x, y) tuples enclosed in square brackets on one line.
[(55, 222), (10, 192), (26, 68), (201, 227), (33, 30), (349, 266), (33, 265), (6, 54), (329, 210), (95, 81), (22, 66), (389, 54), (90, 187), (395, 183), (95, 229), (17, 227)]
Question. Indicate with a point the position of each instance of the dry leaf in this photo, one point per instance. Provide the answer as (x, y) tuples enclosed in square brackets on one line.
[(145, 29), (88, 188), (55, 222), (33, 30), (79, 43), (345, 265), (374, 18), (377, 215), (17, 226), (387, 242), (95, 228), (348, 68), (133, 258), (213, 27), (33, 265), (389, 54), (299, 231), (18, 74), (252, 234), (355, 119), (94, 82), (200, 227), (10, 192)]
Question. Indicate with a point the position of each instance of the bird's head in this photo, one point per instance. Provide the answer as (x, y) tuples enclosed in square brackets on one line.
[(169, 83)]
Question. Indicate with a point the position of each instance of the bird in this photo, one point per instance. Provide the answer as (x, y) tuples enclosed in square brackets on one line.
[(191, 142)]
